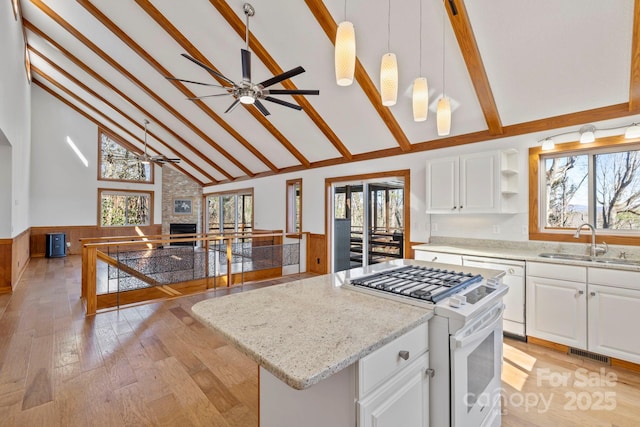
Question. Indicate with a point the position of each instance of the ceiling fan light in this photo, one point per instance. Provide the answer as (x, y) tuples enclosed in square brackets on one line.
[(389, 79), (345, 53), (247, 99), (420, 99), (443, 116), (632, 132)]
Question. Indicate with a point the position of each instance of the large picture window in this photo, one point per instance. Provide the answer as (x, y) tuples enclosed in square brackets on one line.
[(120, 208), (118, 162), (598, 184)]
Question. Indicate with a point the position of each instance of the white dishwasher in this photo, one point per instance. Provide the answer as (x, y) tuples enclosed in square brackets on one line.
[(514, 300)]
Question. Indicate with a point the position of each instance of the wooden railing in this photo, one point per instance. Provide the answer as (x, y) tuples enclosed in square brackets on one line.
[(112, 250)]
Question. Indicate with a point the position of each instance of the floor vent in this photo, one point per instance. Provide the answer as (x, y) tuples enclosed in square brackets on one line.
[(589, 355)]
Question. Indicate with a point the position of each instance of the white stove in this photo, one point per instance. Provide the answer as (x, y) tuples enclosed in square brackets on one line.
[(465, 334)]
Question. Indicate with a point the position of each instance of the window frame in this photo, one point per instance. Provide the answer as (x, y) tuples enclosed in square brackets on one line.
[(119, 191), (294, 212), (536, 231), (127, 146)]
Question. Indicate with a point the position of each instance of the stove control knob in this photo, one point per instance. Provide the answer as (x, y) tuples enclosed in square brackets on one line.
[(454, 302)]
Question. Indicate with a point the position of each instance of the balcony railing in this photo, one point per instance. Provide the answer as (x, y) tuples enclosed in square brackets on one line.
[(124, 270)]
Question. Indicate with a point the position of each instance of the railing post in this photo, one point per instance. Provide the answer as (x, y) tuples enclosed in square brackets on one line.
[(229, 263), (85, 278), (91, 297)]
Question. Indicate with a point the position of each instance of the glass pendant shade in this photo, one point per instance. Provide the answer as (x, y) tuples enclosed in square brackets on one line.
[(389, 79), (420, 99), (345, 53), (443, 118)]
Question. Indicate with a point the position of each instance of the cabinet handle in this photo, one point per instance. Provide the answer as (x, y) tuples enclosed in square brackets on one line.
[(404, 354), (593, 294), (511, 271), (580, 293), (453, 208), (460, 206), (430, 372), (434, 259)]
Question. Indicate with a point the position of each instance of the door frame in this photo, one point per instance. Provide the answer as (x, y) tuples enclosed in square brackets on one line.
[(405, 174)]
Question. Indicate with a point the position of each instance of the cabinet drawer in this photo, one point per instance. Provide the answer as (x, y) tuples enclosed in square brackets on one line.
[(618, 278), (441, 257), (383, 363), (557, 271)]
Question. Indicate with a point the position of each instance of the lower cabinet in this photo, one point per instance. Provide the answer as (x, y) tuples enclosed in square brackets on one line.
[(592, 309), (402, 401)]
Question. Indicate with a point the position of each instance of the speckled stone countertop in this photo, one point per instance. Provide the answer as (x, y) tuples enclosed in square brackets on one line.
[(305, 331), (529, 251)]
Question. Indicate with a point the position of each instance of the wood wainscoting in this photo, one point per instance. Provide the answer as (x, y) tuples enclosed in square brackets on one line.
[(76, 232), (14, 257)]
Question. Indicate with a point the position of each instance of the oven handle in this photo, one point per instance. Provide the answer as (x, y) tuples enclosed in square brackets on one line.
[(496, 319)]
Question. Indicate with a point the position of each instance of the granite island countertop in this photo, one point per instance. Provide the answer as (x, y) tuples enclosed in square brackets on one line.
[(307, 330)]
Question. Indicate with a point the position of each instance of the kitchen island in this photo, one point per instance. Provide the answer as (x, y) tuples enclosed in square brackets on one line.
[(310, 338)]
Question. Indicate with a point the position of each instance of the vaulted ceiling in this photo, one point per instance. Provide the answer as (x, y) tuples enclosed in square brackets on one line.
[(510, 68)]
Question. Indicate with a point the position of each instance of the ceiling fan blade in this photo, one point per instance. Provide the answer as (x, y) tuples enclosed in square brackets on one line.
[(281, 102), (195, 98), (280, 77), (196, 83), (246, 65), (233, 106), (261, 107), (209, 69), (292, 92)]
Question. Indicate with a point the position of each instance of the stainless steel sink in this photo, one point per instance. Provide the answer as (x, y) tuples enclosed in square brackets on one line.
[(616, 261), (573, 257), (557, 255)]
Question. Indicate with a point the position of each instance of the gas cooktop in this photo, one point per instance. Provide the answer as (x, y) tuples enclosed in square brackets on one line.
[(422, 283)]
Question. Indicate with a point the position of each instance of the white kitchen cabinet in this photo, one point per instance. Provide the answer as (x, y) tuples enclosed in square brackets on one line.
[(484, 182), (614, 313), (441, 257), (557, 303), (400, 401)]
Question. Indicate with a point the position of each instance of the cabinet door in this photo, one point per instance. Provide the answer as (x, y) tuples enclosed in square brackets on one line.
[(442, 185), (402, 401), (479, 189), (614, 314), (557, 311)]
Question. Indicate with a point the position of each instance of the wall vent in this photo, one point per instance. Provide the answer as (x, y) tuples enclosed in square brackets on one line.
[(590, 355)]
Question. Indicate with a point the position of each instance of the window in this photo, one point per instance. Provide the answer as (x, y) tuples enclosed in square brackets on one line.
[(294, 206), (118, 162), (120, 208), (598, 184), (230, 212)]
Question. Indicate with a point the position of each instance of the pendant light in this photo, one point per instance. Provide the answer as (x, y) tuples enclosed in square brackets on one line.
[(345, 51), (389, 71), (420, 88), (443, 115)]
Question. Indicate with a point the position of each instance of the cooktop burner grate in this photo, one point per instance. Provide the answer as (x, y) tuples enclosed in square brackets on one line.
[(425, 283)]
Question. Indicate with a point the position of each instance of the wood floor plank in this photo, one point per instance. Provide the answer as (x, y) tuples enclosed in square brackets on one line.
[(16, 363), (39, 381)]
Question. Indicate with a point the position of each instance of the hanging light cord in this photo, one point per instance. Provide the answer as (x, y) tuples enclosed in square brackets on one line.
[(389, 28), (443, 53), (345, 10), (420, 37)]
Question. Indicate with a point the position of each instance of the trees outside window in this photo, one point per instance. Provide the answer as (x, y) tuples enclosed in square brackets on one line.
[(118, 162), (120, 208), (230, 212)]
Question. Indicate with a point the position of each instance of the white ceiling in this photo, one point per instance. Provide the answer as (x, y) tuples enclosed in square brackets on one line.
[(542, 59)]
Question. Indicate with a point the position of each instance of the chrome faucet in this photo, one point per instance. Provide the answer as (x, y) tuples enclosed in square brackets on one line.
[(595, 250)]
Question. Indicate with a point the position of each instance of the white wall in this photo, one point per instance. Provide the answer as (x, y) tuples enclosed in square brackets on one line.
[(15, 104), (63, 189), (269, 192)]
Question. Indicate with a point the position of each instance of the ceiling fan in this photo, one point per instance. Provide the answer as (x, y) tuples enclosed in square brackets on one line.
[(146, 158), (247, 92)]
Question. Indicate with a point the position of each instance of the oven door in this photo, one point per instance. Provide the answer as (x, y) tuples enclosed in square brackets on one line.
[(476, 365)]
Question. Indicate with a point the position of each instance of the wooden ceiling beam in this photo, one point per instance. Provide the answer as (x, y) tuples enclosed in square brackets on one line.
[(105, 101), (181, 40), (46, 77), (471, 54), (261, 52), (80, 64), (122, 70), (324, 18), (634, 86), (116, 31)]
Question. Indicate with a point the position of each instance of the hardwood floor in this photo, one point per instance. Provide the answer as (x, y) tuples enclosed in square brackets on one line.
[(154, 365)]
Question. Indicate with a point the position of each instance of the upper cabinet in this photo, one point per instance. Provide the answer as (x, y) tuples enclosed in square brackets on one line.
[(473, 183)]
